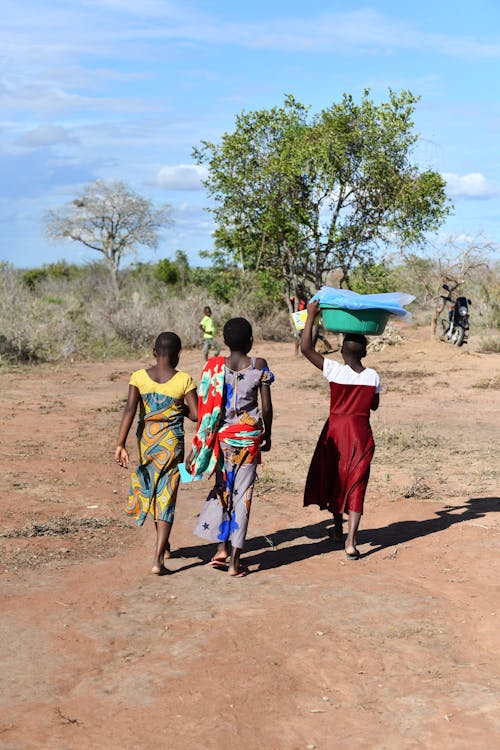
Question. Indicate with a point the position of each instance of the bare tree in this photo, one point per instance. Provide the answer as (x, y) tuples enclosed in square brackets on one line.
[(455, 263), (111, 218), (452, 263)]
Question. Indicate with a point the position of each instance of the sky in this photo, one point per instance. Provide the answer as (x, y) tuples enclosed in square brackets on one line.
[(124, 89)]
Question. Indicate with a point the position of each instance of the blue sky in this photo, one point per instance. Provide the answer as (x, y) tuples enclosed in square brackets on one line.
[(123, 89)]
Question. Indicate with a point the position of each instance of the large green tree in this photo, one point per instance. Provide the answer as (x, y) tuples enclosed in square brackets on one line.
[(111, 218), (302, 196)]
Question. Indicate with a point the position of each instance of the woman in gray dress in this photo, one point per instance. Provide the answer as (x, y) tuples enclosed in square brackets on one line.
[(241, 433)]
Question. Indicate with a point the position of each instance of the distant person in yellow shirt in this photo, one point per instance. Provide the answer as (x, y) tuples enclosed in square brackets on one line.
[(208, 328)]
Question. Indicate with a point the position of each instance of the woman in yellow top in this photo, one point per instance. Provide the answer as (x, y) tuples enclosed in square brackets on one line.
[(164, 396)]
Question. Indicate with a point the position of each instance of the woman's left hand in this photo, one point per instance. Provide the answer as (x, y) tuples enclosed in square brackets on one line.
[(121, 456), (265, 445)]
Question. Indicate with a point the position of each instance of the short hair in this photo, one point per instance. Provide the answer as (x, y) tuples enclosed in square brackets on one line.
[(355, 344), (167, 343), (207, 310), (238, 335)]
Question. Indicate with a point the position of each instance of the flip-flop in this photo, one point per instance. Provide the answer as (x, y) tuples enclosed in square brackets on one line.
[(219, 564), (242, 572), (352, 555)]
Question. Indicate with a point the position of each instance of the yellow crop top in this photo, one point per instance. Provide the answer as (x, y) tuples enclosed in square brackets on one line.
[(177, 387)]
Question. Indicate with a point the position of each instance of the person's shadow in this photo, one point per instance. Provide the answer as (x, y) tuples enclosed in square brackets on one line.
[(404, 531), (273, 550), (269, 544)]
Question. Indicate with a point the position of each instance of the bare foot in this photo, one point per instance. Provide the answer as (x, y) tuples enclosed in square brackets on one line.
[(167, 551), (220, 557), (159, 569), (352, 553), (241, 572)]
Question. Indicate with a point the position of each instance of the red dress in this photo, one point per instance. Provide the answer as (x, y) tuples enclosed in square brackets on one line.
[(340, 466)]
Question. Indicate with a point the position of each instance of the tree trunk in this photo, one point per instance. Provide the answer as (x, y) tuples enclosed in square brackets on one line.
[(113, 272), (435, 316), (291, 310)]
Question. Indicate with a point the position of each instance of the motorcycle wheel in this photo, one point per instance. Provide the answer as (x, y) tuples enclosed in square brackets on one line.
[(458, 336)]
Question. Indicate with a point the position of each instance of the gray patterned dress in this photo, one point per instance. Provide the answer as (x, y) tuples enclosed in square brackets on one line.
[(224, 516)]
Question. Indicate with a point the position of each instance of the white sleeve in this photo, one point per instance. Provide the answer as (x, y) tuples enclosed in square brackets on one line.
[(330, 369), (378, 384)]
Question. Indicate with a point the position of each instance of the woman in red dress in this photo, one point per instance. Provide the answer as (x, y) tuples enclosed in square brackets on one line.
[(340, 466)]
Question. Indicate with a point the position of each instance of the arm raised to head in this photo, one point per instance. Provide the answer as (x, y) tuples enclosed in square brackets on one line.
[(306, 344)]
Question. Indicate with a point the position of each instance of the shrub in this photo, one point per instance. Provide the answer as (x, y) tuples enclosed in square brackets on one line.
[(34, 276), (372, 278), (167, 272), (33, 329), (73, 311), (489, 345)]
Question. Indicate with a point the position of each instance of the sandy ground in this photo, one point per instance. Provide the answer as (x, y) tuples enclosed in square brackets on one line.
[(395, 651)]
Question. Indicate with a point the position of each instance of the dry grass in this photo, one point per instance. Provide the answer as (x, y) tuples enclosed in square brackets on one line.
[(419, 489), (389, 440), (488, 383), (392, 336), (62, 525), (39, 543), (271, 480), (92, 324), (489, 345)]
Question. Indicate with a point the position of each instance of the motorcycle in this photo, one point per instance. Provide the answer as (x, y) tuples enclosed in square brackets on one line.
[(457, 326)]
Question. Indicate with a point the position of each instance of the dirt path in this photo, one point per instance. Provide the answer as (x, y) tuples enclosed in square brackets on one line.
[(395, 651)]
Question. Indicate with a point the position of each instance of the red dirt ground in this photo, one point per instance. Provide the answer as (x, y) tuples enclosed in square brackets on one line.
[(396, 651)]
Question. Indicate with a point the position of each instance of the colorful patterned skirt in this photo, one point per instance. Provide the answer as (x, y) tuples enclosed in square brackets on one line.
[(154, 484), (224, 516)]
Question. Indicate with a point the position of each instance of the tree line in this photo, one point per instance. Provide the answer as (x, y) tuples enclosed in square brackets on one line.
[(294, 195), (63, 310), (333, 197)]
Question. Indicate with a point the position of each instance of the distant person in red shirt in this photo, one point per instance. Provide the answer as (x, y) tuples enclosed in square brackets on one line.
[(299, 303)]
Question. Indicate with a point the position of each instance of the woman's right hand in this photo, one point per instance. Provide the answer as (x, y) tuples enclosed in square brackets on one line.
[(306, 343), (313, 309)]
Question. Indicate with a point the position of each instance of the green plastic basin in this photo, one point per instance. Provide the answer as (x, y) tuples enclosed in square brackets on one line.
[(368, 322)]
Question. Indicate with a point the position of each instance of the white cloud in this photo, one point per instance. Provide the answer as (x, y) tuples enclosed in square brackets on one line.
[(473, 185), (463, 239), (155, 8), (181, 177), (353, 30), (452, 238), (46, 135), (100, 27)]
